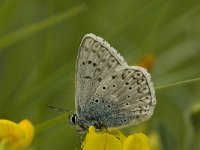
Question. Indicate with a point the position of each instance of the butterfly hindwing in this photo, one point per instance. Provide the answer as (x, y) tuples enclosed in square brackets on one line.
[(128, 95)]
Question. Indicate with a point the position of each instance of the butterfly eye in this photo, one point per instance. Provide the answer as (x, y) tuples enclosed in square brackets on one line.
[(73, 119)]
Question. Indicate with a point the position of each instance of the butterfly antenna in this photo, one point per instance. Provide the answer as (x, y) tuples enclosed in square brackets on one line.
[(63, 109), (59, 109)]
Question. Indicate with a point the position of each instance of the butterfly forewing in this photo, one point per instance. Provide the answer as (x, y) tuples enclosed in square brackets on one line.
[(108, 91), (96, 60)]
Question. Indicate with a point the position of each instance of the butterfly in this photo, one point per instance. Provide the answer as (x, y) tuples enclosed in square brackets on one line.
[(109, 93)]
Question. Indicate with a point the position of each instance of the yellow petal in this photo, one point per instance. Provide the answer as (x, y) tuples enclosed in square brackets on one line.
[(137, 141), (28, 130), (11, 130), (103, 140), (15, 136)]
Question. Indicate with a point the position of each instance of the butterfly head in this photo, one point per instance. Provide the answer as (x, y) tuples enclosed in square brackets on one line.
[(80, 124), (73, 119)]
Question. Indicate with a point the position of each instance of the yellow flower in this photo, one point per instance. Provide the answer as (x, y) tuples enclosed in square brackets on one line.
[(137, 141), (15, 136), (114, 140)]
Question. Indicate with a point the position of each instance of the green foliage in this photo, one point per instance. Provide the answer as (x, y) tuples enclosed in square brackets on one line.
[(39, 42)]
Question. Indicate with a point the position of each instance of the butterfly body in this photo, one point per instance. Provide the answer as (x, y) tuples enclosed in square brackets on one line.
[(109, 92)]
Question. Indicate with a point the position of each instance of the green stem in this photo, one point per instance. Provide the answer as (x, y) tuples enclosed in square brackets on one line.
[(177, 83)]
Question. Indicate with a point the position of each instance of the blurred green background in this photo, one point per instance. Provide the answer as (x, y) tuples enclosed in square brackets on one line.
[(39, 42)]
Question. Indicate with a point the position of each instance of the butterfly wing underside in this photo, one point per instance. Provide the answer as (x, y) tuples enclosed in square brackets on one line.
[(94, 63), (109, 90)]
